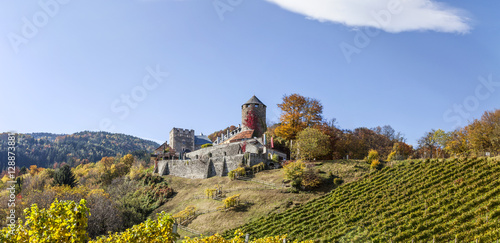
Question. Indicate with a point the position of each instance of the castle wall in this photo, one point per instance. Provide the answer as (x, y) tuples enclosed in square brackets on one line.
[(217, 151), (199, 168), (213, 161)]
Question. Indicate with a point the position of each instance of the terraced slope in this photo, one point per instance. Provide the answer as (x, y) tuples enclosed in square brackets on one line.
[(414, 200)]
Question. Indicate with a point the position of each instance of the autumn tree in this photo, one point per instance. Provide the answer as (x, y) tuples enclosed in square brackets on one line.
[(457, 143), (389, 133), (484, 133), (34, 170), (311, 143), (428, 142), (328, 128), (297, 113), (400, 151), (128, 160), (107, 162), (213, 136)]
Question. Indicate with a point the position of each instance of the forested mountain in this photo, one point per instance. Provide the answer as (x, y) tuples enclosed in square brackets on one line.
[(46, 149)]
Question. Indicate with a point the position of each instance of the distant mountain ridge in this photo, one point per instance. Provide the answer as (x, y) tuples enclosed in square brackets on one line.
[(45, 149), (45, 135)]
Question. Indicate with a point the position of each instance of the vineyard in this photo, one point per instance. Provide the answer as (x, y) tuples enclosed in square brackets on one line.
[(454, 200)]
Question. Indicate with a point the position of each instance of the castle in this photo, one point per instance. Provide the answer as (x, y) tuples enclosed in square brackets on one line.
[(186, 156)]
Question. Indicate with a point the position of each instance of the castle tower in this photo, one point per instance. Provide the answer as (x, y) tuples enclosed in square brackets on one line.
[(181, 140), (253, 116)]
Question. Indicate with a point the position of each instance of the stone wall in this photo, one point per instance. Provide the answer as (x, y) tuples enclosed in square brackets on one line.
[(198, 168), (213, 161)]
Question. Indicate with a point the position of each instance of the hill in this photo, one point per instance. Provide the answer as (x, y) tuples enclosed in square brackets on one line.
[(258, 199), (413, 200), (45, 149)]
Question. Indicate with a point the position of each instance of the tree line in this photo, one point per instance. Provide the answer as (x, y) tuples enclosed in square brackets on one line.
[(481, 137), (304, 133), (47, 150)]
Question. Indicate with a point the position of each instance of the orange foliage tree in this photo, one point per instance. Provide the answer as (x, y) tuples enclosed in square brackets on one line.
[(297, 113)]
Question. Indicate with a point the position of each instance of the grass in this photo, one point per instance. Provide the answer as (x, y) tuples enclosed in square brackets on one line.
[(262, 200)]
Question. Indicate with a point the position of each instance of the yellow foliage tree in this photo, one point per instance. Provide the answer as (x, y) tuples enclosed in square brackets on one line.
[(294, 171), (5, 178), (107, 162), (128, 160), (33, 170)]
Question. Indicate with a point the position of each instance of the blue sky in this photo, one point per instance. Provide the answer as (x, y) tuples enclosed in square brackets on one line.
[(68, 65)]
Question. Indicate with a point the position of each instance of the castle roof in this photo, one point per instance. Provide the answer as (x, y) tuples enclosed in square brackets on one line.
[(240, 136), (254, 100), (201, 139), (162, 147)]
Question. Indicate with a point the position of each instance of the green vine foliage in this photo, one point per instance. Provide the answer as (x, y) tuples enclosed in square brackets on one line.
[(413, 200)]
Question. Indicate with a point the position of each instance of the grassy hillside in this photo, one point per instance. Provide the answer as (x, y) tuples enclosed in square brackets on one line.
[(45, 149), (413, 200), (262, 199)]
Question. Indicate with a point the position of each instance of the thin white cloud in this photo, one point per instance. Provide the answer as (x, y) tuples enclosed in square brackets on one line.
[(389, 15)]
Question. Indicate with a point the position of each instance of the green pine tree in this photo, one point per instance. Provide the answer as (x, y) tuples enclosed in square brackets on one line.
[(64, 176)]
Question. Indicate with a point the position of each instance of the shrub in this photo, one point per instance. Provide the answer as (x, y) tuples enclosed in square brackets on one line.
[(153, 231), (372, 155), (188, 213), (206, 145), (310, 180), (275, 158), (214, 193), (64, 221), (149, 195), (391, 156), (259, 167), (294, 172), (375, 164), (240, 171), (338, 181), (232, 201)]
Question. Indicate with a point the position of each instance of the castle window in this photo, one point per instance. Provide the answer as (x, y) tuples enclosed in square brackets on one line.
[(224, 153), (256, 106)]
